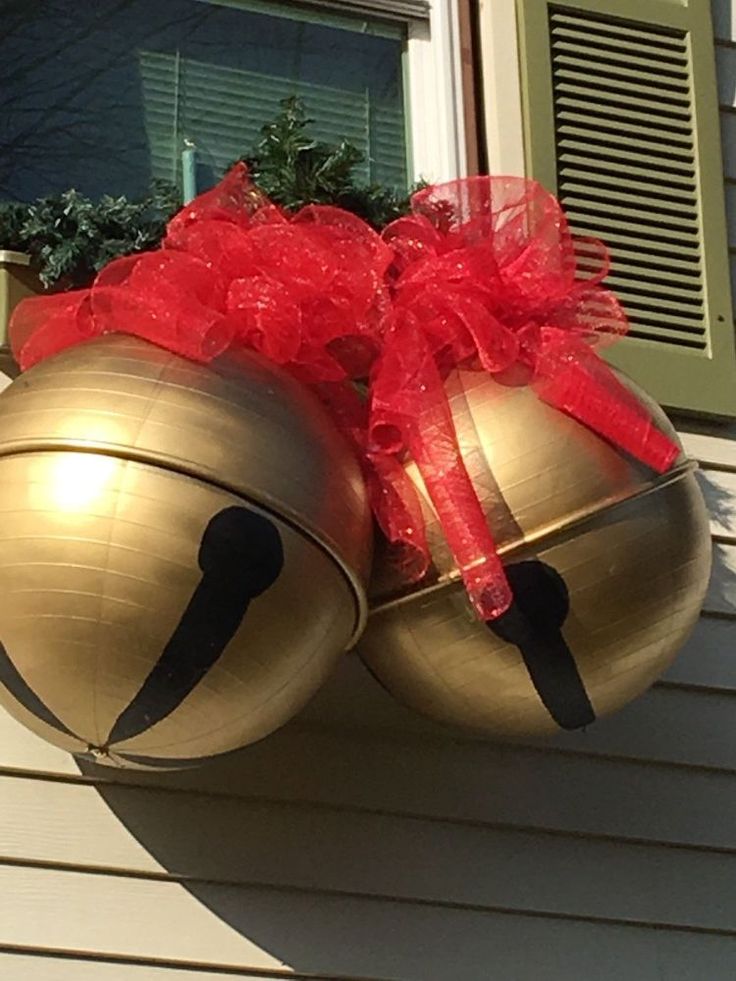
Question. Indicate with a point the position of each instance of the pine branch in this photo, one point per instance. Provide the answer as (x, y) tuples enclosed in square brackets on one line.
[(294, 169)]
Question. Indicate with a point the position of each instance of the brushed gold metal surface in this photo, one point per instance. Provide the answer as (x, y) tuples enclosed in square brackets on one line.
[(100, 540), (632, 549), (534, 470), (241, 424)]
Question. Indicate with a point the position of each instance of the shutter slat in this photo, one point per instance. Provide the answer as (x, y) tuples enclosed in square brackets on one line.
[(675, 339), (606, 56), (656, 290), (572, 67), (676, 113), (667, 273), (618, 88), (597, 167), (631, 36), (655, 227), (586, 130), (581, 179), (619, 50), (608, 153), (663, 253), (644, 124), (690, 314)]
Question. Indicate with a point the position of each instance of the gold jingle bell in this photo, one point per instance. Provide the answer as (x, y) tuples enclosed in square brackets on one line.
[(608, 563), (182, 551)]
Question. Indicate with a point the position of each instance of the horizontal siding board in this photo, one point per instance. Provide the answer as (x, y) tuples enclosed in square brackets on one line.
[(688, 958), (726, 75), (721, 596), (719, 491), (110, 915), (453, 780), (685, 957), (247, 843), (43, 967), (724, 19), (728, 136), (338, 936), (731, 214), (713, 447), (708, 658), (667, 725)]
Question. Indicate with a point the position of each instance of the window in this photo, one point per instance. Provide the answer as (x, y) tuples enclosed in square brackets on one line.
[(105, 96), (621, 120)]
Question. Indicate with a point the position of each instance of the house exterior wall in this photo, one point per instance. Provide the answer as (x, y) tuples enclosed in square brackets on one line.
[(362, 842)]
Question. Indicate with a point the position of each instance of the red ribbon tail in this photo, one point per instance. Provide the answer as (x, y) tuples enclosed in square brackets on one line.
[(394, 499), (598, 400), (409, 399), (464, 524), (398, 511)]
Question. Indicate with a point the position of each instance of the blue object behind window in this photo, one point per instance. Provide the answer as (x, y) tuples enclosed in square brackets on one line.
[(101, 96)]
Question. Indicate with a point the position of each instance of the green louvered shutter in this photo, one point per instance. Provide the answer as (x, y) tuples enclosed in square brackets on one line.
[(621, 118)]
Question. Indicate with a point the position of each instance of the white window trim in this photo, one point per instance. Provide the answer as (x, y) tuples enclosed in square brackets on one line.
[(435, 97), (504, 120)]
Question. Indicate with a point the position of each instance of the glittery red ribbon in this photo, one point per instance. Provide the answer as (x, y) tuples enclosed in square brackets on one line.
[(484, 274), (305, 291)]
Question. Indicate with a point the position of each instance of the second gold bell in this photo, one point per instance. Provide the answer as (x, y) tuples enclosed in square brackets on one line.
[(608, 563)]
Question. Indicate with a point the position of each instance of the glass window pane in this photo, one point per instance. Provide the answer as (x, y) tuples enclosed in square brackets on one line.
[(101, 96)]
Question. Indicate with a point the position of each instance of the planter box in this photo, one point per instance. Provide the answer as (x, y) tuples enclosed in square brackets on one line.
[(17, 281)]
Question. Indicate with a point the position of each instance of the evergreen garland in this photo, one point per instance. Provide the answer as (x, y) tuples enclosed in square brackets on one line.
[(70, 237), (294, 169)]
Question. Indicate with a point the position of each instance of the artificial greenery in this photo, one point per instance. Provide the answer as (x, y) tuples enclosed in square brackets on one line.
[(294, 169), (71, 237)]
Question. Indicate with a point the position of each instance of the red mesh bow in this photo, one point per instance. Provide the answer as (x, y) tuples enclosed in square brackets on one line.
[(234, 270), (484, 274), (487, 275)]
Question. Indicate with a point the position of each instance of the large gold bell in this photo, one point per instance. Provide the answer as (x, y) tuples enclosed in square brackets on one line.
[(182, 551), (608, 563)]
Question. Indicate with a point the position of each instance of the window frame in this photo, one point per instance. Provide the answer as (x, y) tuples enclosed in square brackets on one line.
[(434, 101)]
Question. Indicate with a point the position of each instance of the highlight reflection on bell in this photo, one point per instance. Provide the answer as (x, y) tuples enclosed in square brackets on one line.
[(608, 564), (182, 551), (78, 480)]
